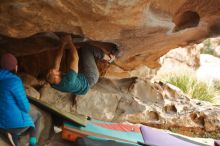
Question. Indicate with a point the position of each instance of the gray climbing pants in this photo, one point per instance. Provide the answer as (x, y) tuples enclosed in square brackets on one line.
[(87, 64)]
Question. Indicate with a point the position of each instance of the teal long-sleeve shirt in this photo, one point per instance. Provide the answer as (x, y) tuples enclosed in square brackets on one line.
[(73, 82)]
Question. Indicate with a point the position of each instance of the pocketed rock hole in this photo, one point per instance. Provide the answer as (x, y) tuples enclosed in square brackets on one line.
[(199, 119), (215, 29), (170, 109), (186, 20), (153, 116)]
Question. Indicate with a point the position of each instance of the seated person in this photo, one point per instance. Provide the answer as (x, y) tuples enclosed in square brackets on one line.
[(83, 72), (16, 115)]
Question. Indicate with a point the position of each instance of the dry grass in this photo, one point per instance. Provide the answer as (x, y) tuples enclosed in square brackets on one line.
[(191, 86)]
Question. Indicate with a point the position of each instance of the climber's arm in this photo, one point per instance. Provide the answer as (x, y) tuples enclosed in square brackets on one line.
[(74, 58), (59, 55)]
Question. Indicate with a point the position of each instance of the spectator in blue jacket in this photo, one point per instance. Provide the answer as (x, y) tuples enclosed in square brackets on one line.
[(15, 114)]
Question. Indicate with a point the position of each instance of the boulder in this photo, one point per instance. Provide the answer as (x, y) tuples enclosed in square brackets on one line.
[(30, 80), (32, 92), (137, 100), (140, 101), (180, 60), (98, 105), (61, 100), (144, 29), (115, 71)]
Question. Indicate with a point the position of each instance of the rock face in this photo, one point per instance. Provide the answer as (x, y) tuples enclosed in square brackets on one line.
[(210, 46), (115, 71), (138, 100), (144, 29), (63, 101), (180, 60), (30, 91)]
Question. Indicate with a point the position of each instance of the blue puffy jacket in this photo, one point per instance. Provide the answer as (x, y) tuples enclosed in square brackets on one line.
[(14, 105)]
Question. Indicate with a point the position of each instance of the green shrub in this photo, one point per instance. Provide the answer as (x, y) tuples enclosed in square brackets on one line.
[(181, 82), (191, 86), (216, 85), (202, 91), (207, 49)]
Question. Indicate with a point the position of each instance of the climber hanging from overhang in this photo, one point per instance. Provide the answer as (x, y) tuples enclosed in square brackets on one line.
[(83, 72)]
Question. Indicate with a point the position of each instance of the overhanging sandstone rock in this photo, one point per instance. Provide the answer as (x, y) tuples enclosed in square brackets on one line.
[(144, 29)]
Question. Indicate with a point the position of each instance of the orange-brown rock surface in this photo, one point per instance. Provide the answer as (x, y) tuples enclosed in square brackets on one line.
[(144, 29)]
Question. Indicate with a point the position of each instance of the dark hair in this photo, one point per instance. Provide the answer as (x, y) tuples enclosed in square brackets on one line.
[(114, 50), (111, 47)]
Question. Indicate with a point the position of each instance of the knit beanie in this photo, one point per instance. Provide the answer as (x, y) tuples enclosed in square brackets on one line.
[(8, 61)]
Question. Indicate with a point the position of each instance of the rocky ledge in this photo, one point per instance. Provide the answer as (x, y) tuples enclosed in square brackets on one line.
[(136, 100)]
